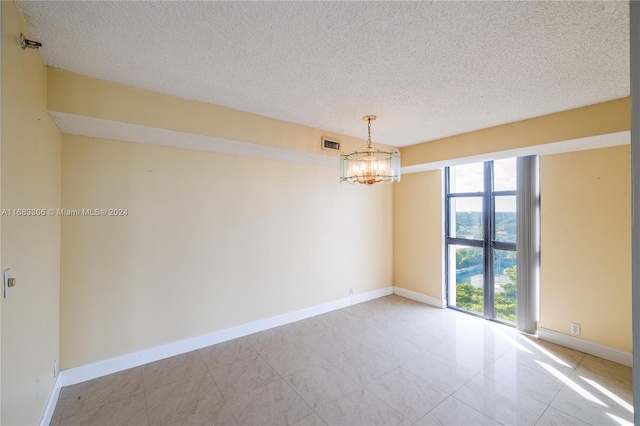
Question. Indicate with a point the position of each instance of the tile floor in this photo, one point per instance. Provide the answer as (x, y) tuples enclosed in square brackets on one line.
[(388, 361)]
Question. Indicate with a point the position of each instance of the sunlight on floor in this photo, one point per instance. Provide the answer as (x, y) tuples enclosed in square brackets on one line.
[(610, 394), (620, 421), (496, 328), (547, 353)]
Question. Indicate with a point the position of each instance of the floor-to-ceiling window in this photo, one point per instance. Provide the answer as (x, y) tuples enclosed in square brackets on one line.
[(481, 238)]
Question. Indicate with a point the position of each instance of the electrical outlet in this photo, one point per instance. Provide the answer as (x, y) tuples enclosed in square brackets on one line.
[(350, 291), (575, 328)]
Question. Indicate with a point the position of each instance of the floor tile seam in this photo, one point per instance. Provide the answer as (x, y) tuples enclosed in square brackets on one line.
[(611, 376), (385, 403), (224, 399), (564, 385), (365, 347), (349, 338), (146, 406), (564, 412), (421, 380), (320, 355), (521, 392), (446, 360), (321, 418), (188, 375), (614, 376), (606, 365), (466, 383), (288, 385), (535, 368), (543, 413), (219, 404), (378, 351), (434, 407), (226, 403), (558, 392), (600, 393), (331, 401), (591, 390), (270, 381), (406, 340), (518, 365), (355, 392), (222, 343), (368, 388), (250, 344), (339, 370), (229, 363), (273, 347), (475, 409)]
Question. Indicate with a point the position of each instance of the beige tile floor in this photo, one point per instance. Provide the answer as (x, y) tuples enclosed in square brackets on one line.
[(388, 361)]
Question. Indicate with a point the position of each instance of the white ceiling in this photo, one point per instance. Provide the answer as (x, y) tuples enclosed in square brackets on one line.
[(427, 69)]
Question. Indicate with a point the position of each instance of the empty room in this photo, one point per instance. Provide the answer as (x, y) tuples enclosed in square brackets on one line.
[(319, 213)]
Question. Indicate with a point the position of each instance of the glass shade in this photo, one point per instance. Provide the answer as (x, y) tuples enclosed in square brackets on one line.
[(370, 166)]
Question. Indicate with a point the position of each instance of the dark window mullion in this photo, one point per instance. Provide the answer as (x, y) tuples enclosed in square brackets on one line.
[(465, 194), (465, 242), (503, 193), (501, 245)]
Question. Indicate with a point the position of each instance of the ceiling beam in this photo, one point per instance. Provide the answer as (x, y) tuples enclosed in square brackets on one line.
[(580, 124), (90, 98)]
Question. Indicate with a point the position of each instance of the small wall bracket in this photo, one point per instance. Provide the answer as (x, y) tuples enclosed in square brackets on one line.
[(9, 282), (24, 43)]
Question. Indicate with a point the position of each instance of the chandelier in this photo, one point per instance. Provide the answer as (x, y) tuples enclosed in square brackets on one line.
[(370, 165)]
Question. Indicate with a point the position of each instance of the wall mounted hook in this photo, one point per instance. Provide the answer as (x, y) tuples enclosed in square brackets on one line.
[(24, 43)]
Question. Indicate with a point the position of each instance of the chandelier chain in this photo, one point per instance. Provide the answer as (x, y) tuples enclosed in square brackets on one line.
[(369, 129)]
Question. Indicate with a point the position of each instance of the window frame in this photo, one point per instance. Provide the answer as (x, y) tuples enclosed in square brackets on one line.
[(488, 243)]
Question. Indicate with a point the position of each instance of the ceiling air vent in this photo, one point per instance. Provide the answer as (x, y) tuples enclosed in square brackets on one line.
[(330, 144)]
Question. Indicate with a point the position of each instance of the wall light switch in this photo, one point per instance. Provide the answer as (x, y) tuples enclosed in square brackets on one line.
[(9, 282)]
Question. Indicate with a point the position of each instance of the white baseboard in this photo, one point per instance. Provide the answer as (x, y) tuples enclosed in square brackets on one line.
[(369, 295), (51, 403), (123, 362), (419, 297), (591, 348)]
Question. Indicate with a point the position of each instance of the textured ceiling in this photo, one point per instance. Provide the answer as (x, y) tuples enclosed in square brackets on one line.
[(427, 69)]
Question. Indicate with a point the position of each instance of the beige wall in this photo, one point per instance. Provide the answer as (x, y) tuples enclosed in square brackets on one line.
[(210, 241), (31, 159), (586, 245), (585, 242), (84, 96), (593, 120), (418, 233)]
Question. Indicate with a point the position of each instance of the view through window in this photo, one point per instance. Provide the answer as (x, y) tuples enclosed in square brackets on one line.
[(481, 238)]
